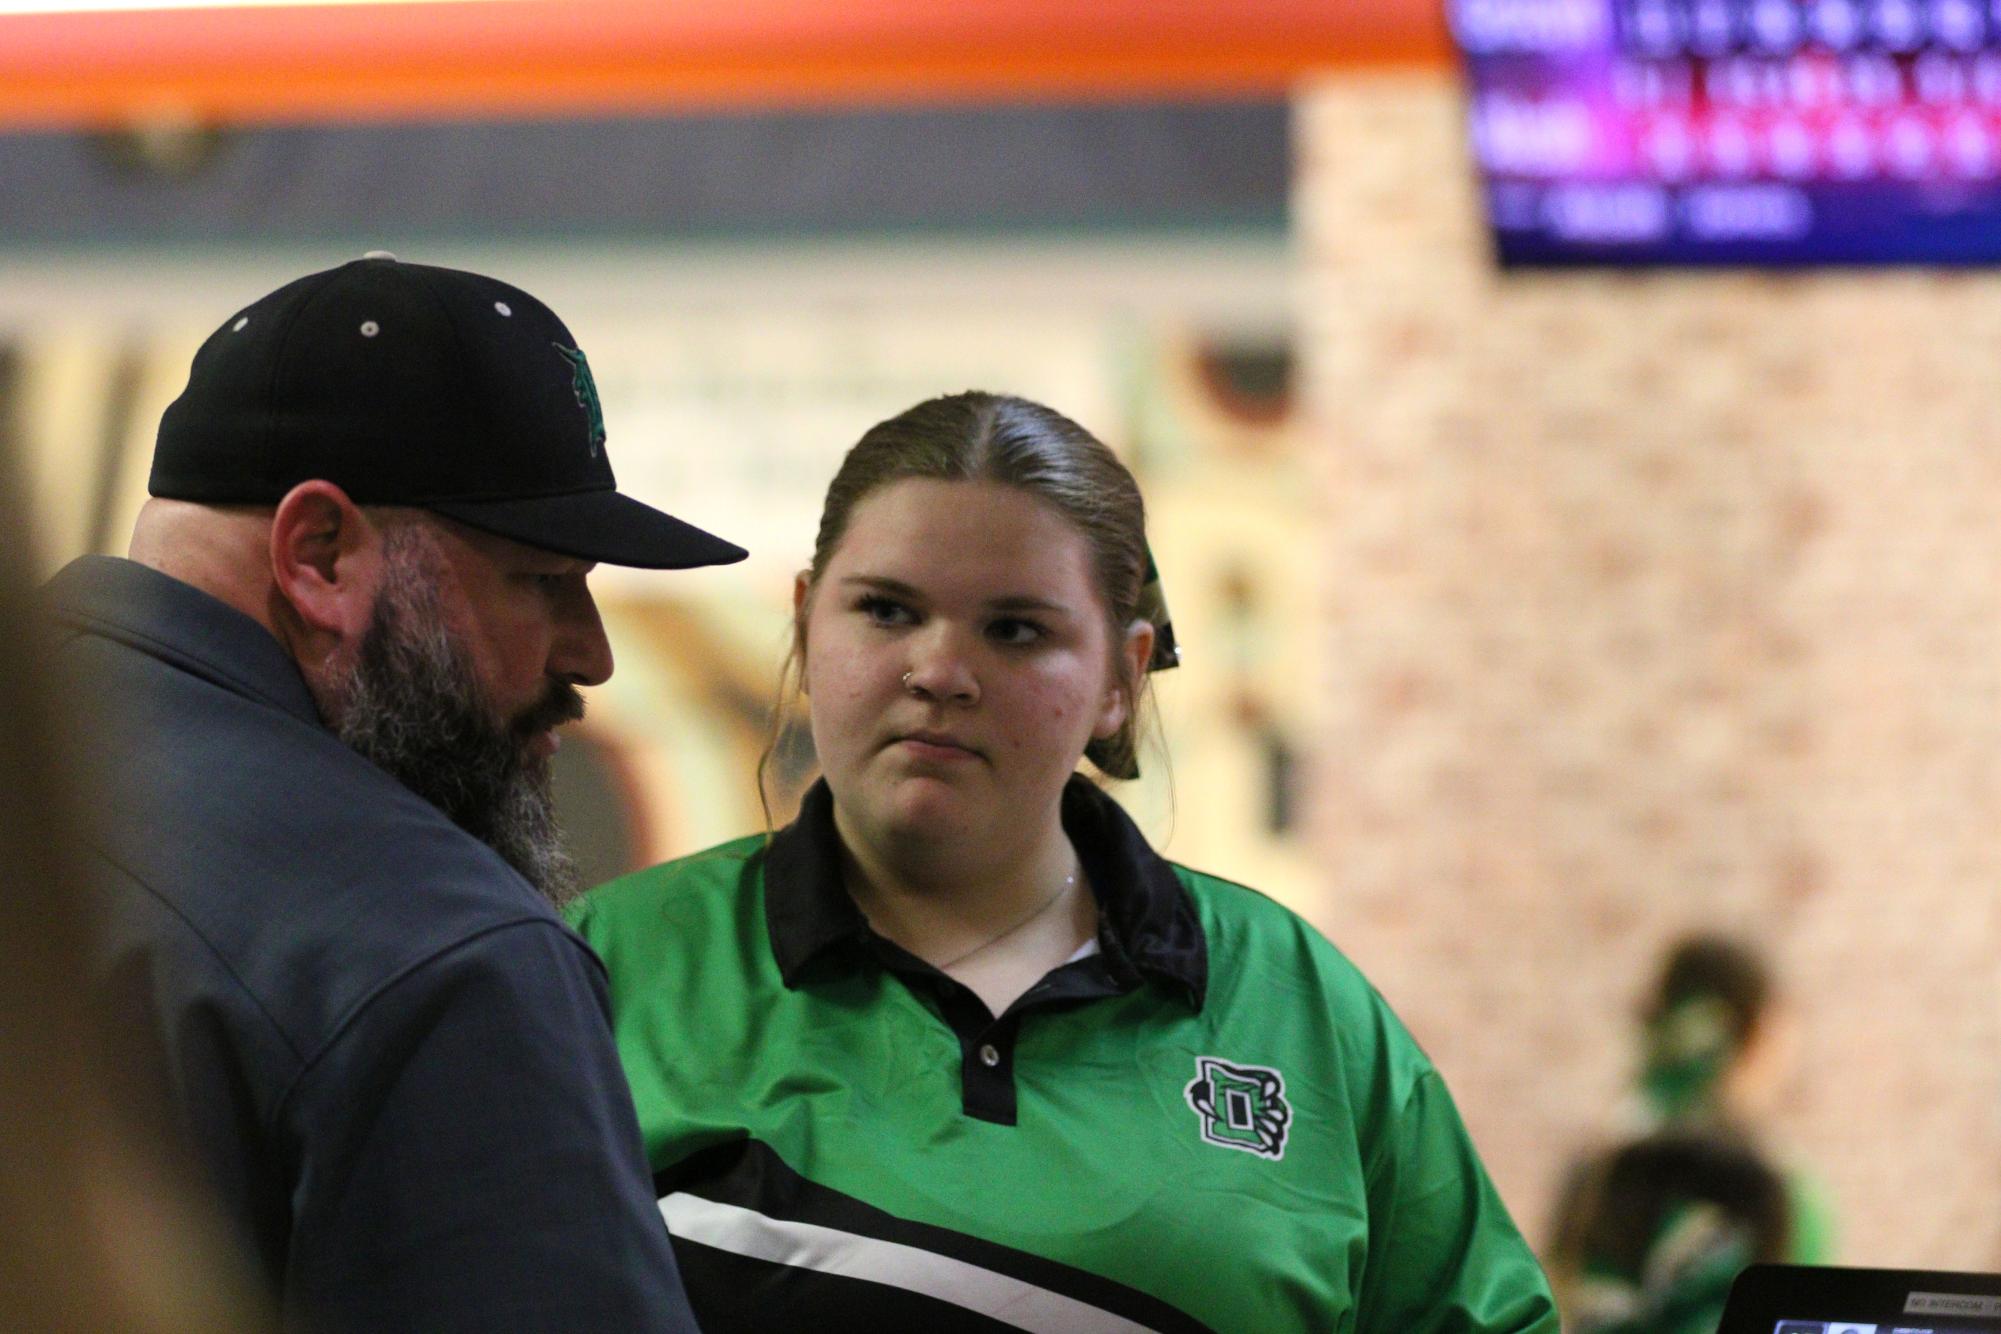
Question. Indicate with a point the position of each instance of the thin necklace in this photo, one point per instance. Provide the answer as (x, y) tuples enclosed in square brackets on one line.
[(1069, 881)]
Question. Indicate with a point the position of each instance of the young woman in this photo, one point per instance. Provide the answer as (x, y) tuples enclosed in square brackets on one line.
[(956, 1049)]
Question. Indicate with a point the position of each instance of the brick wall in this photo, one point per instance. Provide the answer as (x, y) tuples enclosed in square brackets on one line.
[(1656, 602)]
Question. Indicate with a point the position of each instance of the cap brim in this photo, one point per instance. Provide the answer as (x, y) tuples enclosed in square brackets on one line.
[(602, 526)]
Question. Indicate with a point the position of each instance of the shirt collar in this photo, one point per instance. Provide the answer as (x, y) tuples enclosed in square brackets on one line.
[(159, 615), (1146, 921)]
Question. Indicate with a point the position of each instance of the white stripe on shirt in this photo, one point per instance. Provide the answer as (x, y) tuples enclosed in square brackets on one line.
[(740, 1231)]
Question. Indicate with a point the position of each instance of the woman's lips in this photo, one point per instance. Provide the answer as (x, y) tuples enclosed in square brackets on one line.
[(934, 746)]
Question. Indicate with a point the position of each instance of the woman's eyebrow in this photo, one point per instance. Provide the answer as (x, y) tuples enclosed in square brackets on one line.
[(885, 584), (1024, 602), (1011, 602)]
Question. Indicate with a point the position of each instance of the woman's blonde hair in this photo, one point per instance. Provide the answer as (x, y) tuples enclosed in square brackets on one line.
[(108, 1224)]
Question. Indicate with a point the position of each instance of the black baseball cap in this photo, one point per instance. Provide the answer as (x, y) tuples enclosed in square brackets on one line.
[(407, 384)]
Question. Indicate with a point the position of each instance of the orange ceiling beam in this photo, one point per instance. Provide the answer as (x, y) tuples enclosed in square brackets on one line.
[(599, 57)]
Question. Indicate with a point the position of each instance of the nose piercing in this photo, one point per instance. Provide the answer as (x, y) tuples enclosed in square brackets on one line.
[(958, 694)]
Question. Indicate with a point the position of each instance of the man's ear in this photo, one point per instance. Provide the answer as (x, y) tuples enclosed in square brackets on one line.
[(326, 561), (1133, 655)]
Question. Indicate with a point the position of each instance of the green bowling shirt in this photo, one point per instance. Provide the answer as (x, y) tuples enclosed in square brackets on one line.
[(1213, 1122)]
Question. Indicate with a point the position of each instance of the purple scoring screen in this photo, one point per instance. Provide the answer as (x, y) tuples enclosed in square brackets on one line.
[(1737, 131)]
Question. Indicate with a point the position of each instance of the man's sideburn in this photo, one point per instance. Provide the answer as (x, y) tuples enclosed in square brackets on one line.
[(413, 706)]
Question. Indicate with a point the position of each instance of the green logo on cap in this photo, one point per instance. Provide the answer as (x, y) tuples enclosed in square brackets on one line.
[(586, 390)]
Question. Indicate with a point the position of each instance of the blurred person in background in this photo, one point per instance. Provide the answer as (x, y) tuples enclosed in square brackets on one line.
[(956, 1049), (323, 692), (105, 1228), (1650, 1234)]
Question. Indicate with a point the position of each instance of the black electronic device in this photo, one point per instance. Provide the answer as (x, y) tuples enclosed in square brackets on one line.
[(1812, 1299)]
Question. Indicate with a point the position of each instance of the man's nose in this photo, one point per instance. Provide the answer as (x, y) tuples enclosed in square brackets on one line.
[(581, 652)]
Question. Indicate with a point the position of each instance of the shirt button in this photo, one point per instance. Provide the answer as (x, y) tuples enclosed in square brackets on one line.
[(989, 1057)]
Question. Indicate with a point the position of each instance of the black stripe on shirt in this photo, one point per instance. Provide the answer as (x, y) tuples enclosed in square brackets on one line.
[(750, 1175)]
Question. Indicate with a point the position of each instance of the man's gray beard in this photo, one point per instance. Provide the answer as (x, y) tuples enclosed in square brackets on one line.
[(413, 706)]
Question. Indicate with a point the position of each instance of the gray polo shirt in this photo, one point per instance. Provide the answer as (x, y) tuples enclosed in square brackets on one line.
[(390, 1054)]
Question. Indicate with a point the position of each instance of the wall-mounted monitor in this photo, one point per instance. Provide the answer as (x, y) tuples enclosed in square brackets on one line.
[(1778, 132)]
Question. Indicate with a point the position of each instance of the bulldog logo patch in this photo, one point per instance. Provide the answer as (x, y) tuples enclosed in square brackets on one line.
[(1241, 1106)]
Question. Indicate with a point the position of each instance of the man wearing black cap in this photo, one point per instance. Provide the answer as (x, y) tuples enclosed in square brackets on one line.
[(326, 685)]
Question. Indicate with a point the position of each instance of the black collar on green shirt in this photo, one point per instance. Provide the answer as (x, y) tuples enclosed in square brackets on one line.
[(1147, 927)]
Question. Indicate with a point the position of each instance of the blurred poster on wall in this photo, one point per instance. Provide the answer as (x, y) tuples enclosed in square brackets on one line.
[(739, 420), (735, 415)]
